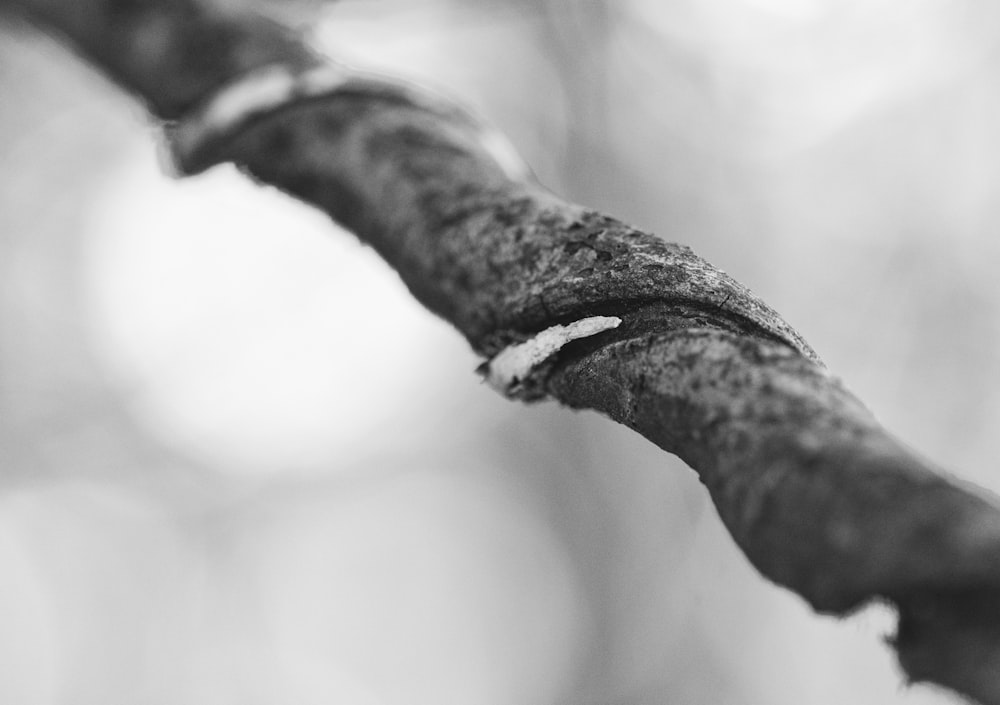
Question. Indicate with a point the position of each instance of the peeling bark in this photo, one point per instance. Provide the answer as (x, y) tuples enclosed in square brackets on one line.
[(820, 498)]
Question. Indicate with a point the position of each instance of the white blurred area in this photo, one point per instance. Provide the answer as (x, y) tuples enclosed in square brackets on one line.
[(241, 465)]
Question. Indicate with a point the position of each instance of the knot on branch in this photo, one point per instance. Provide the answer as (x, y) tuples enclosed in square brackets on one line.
[(200, 138)]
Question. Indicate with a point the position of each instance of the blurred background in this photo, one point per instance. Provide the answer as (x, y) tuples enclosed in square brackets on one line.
[(242, 466)]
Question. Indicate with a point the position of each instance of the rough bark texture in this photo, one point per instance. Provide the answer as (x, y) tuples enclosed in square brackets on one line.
[(819, 497)]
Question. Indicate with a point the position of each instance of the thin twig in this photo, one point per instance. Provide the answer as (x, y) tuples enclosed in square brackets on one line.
[(819, 497)]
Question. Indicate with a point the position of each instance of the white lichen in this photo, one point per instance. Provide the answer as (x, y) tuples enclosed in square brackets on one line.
[(512, 366)]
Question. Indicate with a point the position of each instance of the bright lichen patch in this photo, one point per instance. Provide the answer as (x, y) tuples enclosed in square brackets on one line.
[(510, 370)]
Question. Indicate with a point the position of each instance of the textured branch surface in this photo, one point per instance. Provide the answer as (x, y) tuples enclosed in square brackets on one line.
[(819, 497)]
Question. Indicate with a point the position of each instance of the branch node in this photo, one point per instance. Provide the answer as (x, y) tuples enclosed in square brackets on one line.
[(250, 96), (195, 138)]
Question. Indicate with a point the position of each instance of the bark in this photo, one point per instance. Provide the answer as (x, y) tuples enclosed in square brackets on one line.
[(820, 498)]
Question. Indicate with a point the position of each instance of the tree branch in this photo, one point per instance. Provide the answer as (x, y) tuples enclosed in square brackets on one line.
[(819, 497)]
